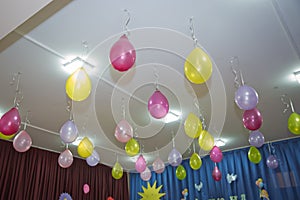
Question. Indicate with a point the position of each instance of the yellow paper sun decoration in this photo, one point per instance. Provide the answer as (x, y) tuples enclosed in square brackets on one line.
[(151, 193)]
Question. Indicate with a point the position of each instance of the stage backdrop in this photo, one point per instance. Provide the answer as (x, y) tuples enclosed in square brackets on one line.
[(281, 183), (36, 174)]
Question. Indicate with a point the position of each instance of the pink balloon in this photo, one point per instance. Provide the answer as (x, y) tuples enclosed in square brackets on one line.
[(216, 154), (122, 54), (252, 119), (140, 164), (123, 131), (158, 105), (216, 174), (146, 174), (158, 166), (10, 122), (86, 188), (22, 142), (65, 159)]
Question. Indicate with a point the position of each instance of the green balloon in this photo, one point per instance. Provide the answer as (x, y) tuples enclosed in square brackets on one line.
[(117, 171), (180, 172), (294, 123), (132, 147), (195, 161), (254, 155)]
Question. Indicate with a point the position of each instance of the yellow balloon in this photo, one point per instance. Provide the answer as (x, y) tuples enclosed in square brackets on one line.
[(206, 140), (85, 148), (117, 171), (294, 123), (180, 172), (6, 137), (132, 147), (198, 66), (78, 85), (192, 126), (254, 155), (195, 161)]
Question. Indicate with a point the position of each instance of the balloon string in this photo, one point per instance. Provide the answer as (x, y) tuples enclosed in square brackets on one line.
[(234, 62), (69, 109), (123, 108), (193, 31), (156, 77), (156, 149), (269, 147), (196, 103), (17, 99), (194, 146), (202, 119), (242, 79), (67, 146), (292, 107), (173, 140), (284, 98), (125, 28), (26, 120)]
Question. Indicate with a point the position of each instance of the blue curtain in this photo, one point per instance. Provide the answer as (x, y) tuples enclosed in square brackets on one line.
[(281, 183)]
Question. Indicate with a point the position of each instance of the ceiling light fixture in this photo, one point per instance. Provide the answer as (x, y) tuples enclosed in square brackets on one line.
[(297, 75), (172, 117), (220, 143), (73, 64)]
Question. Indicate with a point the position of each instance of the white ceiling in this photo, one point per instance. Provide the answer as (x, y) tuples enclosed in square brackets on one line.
[(264, 35)]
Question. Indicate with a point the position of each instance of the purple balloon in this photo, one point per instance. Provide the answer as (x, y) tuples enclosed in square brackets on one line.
[(158, 105), (246, 97), (256, 139), (252, 119), (174, 158), (68, 132), (272, 162), (93, 159)]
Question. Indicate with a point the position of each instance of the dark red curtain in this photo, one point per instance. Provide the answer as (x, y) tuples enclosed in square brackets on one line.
[(36, 174)]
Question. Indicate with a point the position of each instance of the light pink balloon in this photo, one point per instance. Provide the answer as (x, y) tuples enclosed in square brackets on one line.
[(86, 188), (123, 131), (65, 159), (140, 164), (158, 166), (146, 174), (216, 174), (122, 54), (10, 122), (216, 154), (22, 142), (158, 105)]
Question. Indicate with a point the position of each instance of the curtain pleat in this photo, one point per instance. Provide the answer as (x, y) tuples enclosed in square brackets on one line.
[(281, 183), (36, 174)]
